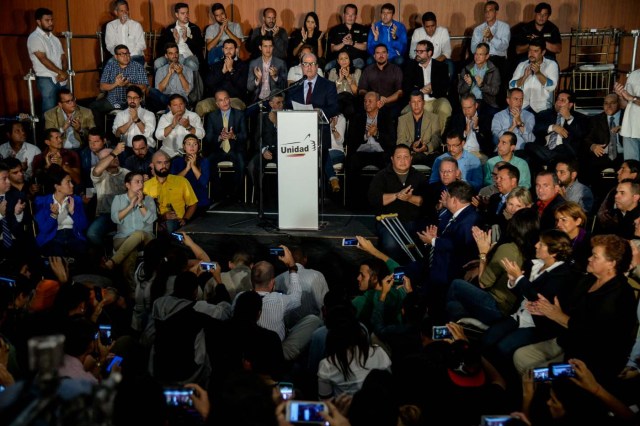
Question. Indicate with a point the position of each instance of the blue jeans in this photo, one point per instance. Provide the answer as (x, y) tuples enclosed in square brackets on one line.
[(335, 156), (49, 92), (191, 62), (466, 300), (100, 227), (631, 148), (505, 337)]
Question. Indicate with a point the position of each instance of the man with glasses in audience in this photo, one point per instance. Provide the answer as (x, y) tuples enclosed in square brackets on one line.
[(469, 165), (134, 120), (73, 120)]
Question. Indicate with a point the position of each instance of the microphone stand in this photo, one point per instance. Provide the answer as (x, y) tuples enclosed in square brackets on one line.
[(262, 221)]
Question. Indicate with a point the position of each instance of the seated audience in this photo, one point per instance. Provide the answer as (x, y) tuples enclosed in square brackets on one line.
[(17, 146), (570, 188), (176, 124), (186, 35), (216, 34), (134, 120), (73, 120), (171, 79), (420, 130), (571, 219), (481, 79), (469, 165), (515, 120), (308, 35), (196, 169), (346, 76), (506, 153)]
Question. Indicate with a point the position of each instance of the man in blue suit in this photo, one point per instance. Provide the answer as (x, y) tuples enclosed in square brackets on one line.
[(322, 94), (226, 140), (452, 244)]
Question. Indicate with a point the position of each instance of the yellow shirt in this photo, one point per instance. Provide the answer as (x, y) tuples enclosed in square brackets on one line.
[(175, 191)]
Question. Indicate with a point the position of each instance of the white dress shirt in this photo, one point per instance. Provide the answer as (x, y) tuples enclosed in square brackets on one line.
[(536, 95), (172, 143), (26, 153), (500, 41), (130, 34), (440, 40), (631, 123), (147, 117)]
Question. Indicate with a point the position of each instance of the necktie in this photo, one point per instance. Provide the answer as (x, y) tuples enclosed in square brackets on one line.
[(225, 145), (7, 238), (503, 199), (309, 94), (612, 149), (553, 138)]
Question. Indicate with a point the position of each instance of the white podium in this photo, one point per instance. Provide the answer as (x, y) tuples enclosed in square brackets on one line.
[(298, 152)]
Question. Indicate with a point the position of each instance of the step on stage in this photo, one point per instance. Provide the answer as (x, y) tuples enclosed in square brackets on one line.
[(229, 227)]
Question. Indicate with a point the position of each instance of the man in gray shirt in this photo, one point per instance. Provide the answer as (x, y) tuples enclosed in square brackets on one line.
[(171, 78)]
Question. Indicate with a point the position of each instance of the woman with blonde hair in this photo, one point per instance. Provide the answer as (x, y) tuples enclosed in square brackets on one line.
[(571, 219)]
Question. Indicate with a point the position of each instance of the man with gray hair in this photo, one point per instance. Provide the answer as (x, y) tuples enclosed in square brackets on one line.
[(108, 180)]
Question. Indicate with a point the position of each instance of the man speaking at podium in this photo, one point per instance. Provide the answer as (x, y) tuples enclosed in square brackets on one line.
[(321, 93)]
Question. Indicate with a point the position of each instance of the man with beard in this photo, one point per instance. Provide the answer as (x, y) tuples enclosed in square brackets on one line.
[(48, 59), (570, 188), (540, 29), (230, 74), (219, 32), (186, 35), (431, 78), (384, 78), (174, 196), (140, 161), (176, 124), (537, 77), (134, 120), (171, 79), (271, 29), (108, 180), (73, 120), (266, 72)]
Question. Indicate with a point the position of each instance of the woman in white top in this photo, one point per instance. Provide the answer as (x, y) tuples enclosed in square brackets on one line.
[(350, 357)]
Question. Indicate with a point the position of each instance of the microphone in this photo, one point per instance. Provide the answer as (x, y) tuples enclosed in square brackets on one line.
[(301, 81)]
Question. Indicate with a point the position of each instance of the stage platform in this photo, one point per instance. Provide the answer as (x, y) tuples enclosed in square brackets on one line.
[(228, 227)]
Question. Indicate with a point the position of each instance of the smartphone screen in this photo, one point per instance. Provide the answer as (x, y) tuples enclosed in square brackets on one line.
[(208, 266), (286, 390), (441, 332), (178, 397), (349, 242), (105, 334), (306, 411), (178, 237), (276, 251), (559, 370), (541, 374)]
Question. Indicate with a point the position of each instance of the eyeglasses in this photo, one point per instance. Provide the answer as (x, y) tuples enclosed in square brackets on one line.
[(309, 64), (420, 50), (133, 98)]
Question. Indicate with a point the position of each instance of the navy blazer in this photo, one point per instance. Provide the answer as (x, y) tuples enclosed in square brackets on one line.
[(48, 226), (414, 79), (213, 126), (325, 97), (458, 123), (454, 246)]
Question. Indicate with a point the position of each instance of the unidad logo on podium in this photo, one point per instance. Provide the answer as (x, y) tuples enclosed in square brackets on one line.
[(299, 148)]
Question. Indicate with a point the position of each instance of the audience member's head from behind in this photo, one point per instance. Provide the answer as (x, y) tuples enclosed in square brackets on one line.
[(248, 307), (263, 277), (347, 342), (376, 403), (186, 286), (570, 218), (79, 338), (610, 256), (371, 273), (522, 229), (460, 195)]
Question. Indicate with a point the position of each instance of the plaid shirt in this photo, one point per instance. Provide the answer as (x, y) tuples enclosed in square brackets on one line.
[(134, 72)]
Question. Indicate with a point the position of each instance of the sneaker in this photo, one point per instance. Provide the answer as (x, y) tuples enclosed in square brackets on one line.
[(335, 185), (473, 322)]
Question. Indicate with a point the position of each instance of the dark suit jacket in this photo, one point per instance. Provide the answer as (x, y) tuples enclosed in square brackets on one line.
[(454, 246), (598, 134), (557, 282), (458, 123), (386, 136), (233, 82), (195, 43), (213, 127), (548, 217), (577, 129), (325, 97), (414, 79)]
